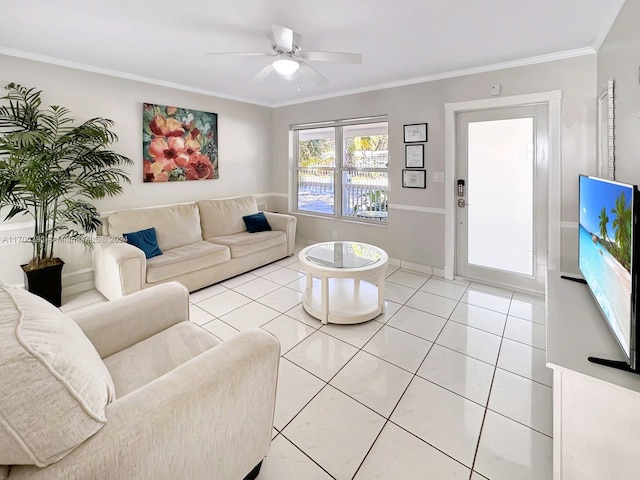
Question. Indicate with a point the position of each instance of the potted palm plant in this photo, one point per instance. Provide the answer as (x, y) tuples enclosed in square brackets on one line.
[(50, 169)]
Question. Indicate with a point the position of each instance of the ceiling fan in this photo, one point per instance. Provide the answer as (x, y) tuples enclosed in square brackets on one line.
[(288, 56)]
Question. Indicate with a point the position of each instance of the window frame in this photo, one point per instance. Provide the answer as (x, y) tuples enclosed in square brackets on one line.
[(338, 169)]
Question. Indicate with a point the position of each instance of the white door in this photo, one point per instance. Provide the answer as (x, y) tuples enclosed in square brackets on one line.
[(501, 172)]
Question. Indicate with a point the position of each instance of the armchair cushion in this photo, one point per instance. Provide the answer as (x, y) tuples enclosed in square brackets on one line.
[(149, 359), (55, 387)]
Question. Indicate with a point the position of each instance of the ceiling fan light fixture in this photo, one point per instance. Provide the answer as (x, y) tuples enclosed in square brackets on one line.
[(285, 66)]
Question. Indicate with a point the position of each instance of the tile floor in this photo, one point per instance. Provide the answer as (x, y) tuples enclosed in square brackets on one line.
[(449, 383)]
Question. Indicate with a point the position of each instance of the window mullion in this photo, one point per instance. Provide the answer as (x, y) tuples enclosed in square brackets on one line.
[(338, 173)]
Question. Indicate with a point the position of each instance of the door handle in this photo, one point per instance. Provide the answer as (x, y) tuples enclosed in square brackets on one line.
[(460, 187)]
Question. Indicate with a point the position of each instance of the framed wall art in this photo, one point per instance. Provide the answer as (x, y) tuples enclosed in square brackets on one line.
[(414, 178), (415, 132), (178, 144), (414, 156), (606, 120)]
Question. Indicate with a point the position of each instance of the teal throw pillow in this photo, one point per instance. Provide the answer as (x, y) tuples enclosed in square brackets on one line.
[(256, 223), (146, 240)]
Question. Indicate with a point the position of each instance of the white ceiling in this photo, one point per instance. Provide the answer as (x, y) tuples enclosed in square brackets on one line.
[(401, 41)]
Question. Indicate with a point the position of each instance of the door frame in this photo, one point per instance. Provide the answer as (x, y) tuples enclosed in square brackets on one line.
[(553, 99)]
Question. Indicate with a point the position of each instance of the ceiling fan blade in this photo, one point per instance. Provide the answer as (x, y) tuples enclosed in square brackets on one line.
[(316, 76), (250, 54), (262, 74), (338, 57), (282, 38)]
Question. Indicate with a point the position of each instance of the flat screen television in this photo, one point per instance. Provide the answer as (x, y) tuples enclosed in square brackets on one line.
[(607, 258)]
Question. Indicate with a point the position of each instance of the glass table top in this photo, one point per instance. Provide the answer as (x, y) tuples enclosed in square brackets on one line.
[(343, 255)]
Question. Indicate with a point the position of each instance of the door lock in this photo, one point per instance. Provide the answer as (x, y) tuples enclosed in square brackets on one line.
[(461, 203)]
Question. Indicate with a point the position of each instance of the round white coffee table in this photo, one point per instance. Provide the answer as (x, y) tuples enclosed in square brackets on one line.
[(337, 291)]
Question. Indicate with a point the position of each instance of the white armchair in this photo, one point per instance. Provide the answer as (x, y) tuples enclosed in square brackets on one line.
[(185, 406)]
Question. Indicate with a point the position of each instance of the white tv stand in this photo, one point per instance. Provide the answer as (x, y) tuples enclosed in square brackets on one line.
[(596, 409)]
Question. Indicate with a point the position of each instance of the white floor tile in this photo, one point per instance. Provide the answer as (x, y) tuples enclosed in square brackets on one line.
[(510, 451), (390, 309), (522, 400), (477, 476), (417, 322), (491, 289), (398, 455), (238, 280), (283, 299), (223, 303), (397, 293), (488, 300), (82, 300), (321, 354), (299, 313), (290, 332), (441, 418), (287, 261), (250, 315), (444, 288), (478, 317), (400, 348), (296, 266), (284, 461), (220, 329), (524, 331), (528, 311), (408, 279), (198, 315), (336, 431), (529, 298), (430, 303), (524, 360), (356, 335), (390, 269), (459, 373), (207, 292), (470, 341), (372, 381), (256, 288), (295, 388), (266, 269), (283, 276), (300, 284)]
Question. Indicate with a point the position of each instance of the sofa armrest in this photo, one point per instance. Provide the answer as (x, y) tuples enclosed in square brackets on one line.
[(210, 418), (120, 323), (119, 269), (286, 223)]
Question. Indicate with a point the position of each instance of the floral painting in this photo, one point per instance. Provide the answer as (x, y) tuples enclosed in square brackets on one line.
[(179, 144)]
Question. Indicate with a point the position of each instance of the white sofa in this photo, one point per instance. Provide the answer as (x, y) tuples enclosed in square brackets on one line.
[(130, 390), (202, 243)]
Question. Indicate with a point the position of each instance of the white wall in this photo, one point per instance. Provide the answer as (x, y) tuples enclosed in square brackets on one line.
[(619, 59), (416, 232), (244, 142)]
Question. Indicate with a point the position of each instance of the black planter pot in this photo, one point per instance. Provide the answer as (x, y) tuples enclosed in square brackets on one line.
[(46, 282)]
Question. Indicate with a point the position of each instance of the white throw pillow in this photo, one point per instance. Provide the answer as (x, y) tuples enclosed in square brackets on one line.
[(53, 384)]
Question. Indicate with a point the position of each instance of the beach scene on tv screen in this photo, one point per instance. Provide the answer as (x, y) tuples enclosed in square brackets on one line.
[(605, 250)]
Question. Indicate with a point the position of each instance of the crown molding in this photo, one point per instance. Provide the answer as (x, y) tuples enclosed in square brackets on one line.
[(383, 86)]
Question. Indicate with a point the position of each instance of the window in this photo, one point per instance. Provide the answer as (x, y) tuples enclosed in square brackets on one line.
[(350, 180)]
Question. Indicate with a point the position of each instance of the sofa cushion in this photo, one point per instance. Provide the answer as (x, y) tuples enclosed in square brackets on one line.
[(54, 385), (149, 359), (185, 259), (256, 223), (224, 217), (176, 225), (244, 243), (146, 240)]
